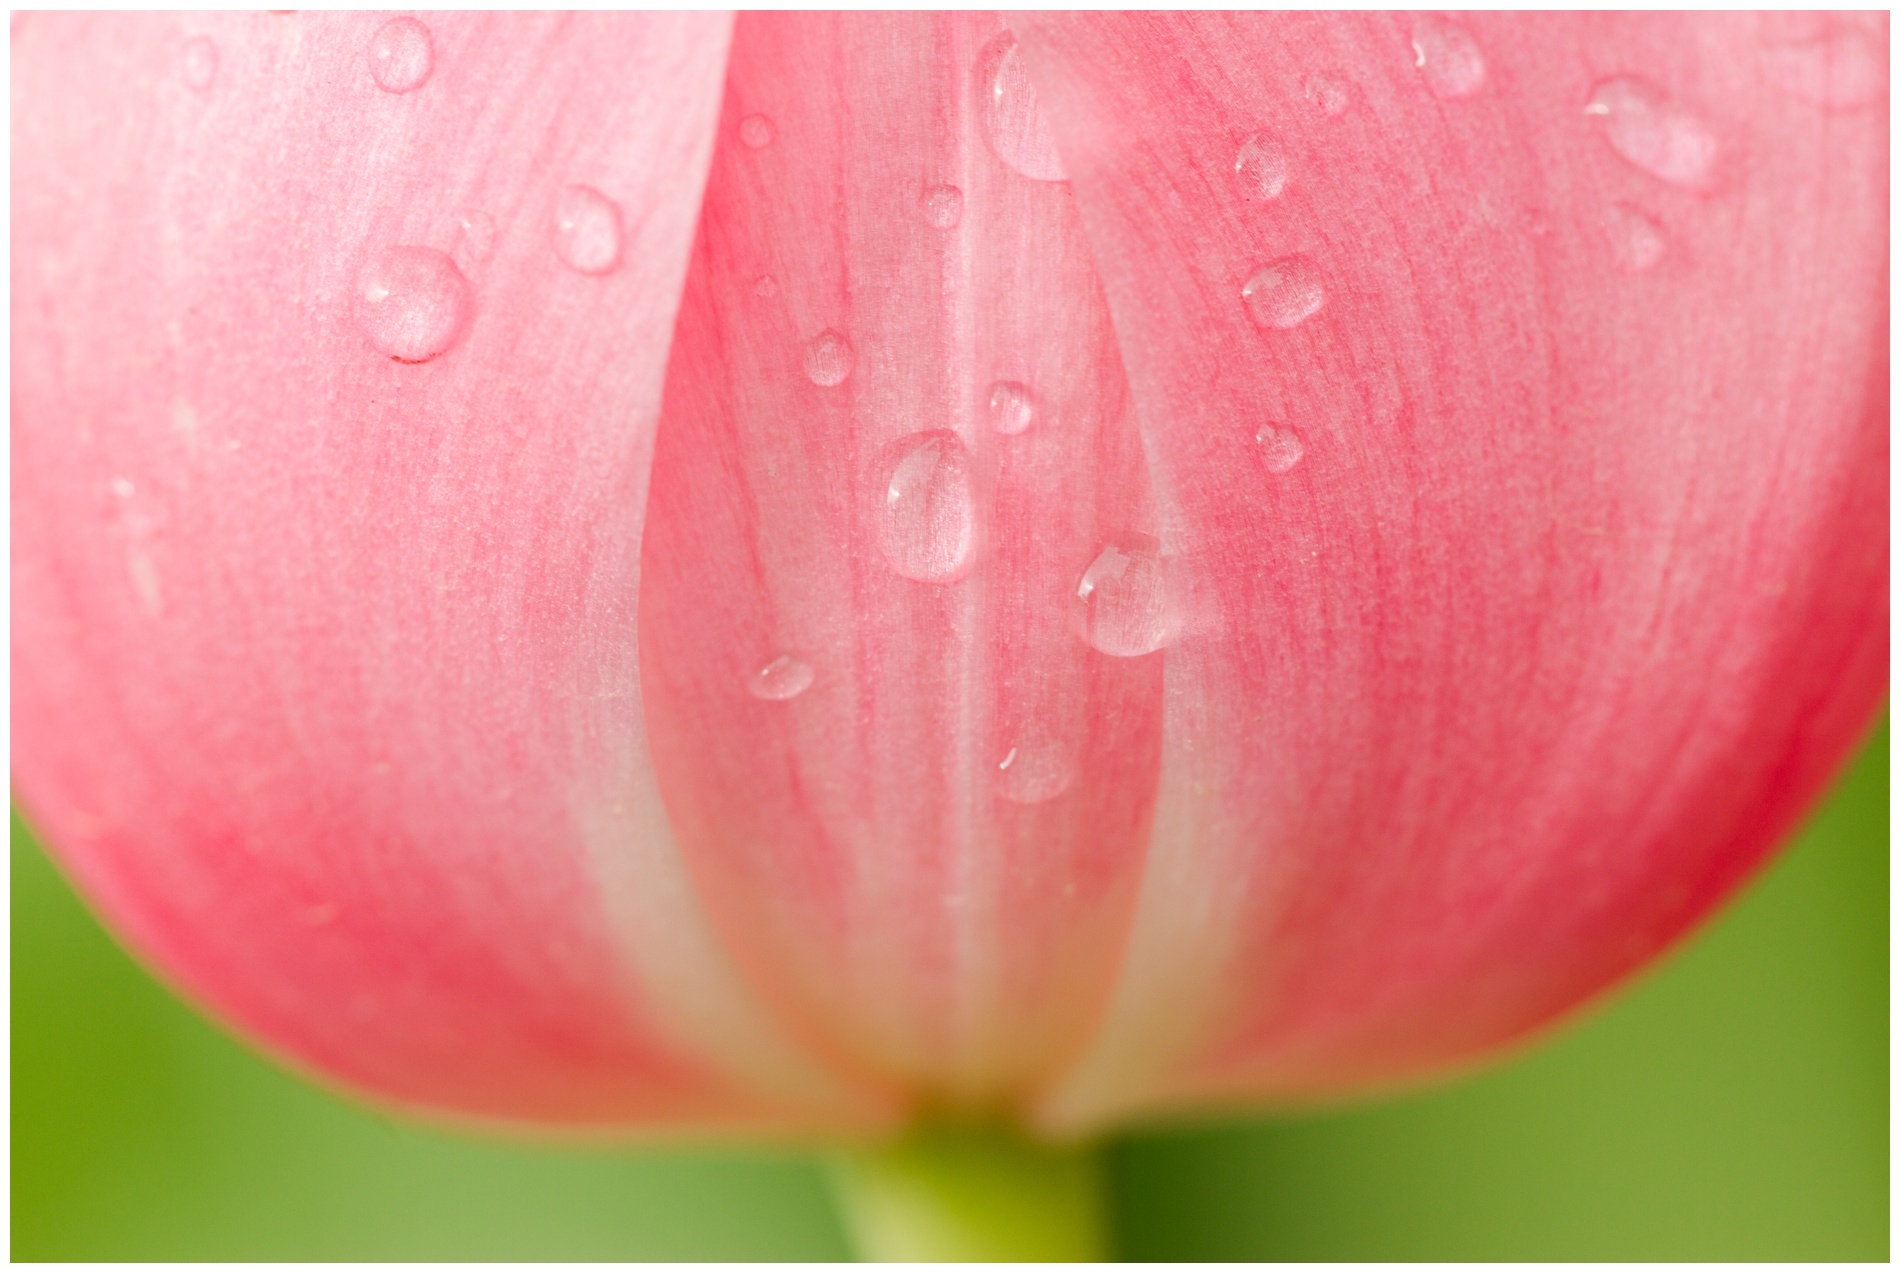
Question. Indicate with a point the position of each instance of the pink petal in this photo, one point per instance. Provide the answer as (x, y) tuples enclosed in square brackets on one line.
[(1572, 593), (894, 442), (324, 676)]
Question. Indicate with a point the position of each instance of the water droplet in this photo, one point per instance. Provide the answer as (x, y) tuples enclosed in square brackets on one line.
[(942, 206), (1126, 592), (1033, 771), (1331, 96), (474, 236), (1655, 132), (829, 359), (1637, 240), (1842, 71), (123, 488), (1011, 408), (756, 132), (1449, 59), (1284, 293), (765, 287), (587, 230), (927, 517), (199, 64), (412, 303), (1261, 168), (1019, 133), (1280, 446), (401, 55), (784, 677)]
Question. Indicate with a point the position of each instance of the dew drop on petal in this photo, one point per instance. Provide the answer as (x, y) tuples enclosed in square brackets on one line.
[(1125, 591), (1033, 771), (1284, 293), (765, 287), (1654, 132), (1448, 58), (1018, 131), (756, 132), (1842, 71), (942, 206), (1261, 168), (199, 63), (784, 677), (587, 230), (927, 512), (474, 236), (1011, 408), (401, 55), (1329, 95), (412, 303), (1637, 241), (829, 359), (1280, 447)]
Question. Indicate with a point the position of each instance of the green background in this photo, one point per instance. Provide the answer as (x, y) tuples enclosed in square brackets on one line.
[(1731, 1105)]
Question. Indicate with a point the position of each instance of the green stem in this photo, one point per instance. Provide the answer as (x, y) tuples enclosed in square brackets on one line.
[(962, 1192)]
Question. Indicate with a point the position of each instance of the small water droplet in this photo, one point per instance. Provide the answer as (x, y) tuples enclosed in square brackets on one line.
[(1261, 168), (1331, 96), (412, 303), (1011, 408), (1126, 592), (587, 230), (1656, 133), (1284, 293), (1449, 59), (1034, 771), (1841, 71), (401, 55), (1280, 446), (1018, 131), (765, 287), (829, 359), (474, 236), (784, 677), (1637, 240), (123, 488), (942, 206), (756, 132), (199, 64), (927, 517)]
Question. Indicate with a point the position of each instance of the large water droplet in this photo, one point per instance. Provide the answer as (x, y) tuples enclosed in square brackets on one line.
[(199, 63), (1842, 71), (401, 55), (1284, 293), (587, 230), (1126, 593), (927, 516), (1261, 168), (829, 359), (1011, 408), (412, 303), (756, 132), (942, 206), (784, 677), (1019, 133), (1331, 96), (474, 237), (1449, 59), (1655, 132), (1637, 241), (1280, 447), (1033, 771)]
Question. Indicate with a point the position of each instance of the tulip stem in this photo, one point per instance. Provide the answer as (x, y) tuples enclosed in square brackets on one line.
[(962, 1192)]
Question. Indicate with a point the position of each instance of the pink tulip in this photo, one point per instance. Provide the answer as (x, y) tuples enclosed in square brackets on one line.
[(641, 572)]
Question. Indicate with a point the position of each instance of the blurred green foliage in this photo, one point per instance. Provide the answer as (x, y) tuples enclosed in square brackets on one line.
[(1732, 1105)]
